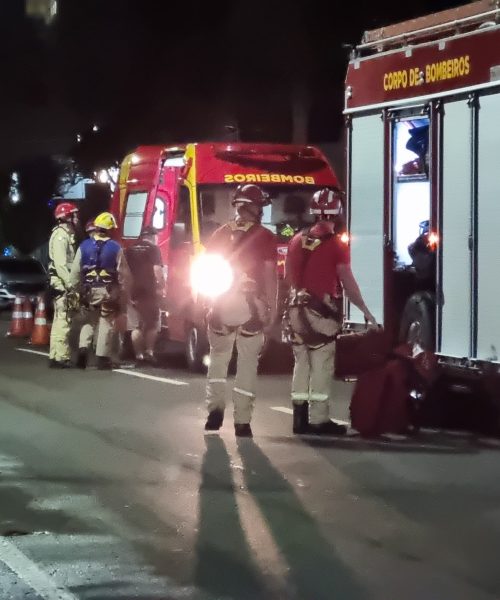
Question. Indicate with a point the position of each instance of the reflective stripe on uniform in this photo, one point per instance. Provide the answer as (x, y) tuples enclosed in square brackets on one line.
[(319, 397), (217, 380), (300, 396), (243, 392)]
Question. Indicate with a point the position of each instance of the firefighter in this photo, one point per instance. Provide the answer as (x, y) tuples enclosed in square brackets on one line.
[(241, 315), (317, 268), (62, 246), (147, 289), (90, 228), (101, 273)]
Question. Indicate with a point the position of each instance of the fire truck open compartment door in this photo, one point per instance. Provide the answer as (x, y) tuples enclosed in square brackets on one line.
[(456, 256), (366, 223), (488, 230)]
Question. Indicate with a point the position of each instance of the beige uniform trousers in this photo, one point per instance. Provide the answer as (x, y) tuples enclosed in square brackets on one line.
[(61, 254), (221, 350), (98, 314), (312, 378), (59, 334)]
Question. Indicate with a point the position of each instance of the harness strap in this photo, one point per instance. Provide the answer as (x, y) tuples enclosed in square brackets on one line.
[(313, 338), (301, 298)]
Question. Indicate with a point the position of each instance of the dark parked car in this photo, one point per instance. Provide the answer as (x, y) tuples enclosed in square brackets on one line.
[(24, 276)]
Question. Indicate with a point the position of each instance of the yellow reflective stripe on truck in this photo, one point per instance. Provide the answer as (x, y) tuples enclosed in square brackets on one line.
[(193, 196)]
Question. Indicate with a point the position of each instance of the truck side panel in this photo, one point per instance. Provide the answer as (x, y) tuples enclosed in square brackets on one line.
[(366, 219), (456, 256), (488, 246)]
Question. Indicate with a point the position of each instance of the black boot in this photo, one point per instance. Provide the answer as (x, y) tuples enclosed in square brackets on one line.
[(243, 430), (60, 364), (300, 417), (104, 363), (82, 359), (214, 420), (328, 428)]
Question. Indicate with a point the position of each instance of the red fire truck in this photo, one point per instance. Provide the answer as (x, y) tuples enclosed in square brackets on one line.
[(422, 107), (185, 193)]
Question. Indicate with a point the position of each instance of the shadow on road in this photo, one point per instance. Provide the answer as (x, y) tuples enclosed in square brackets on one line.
[(455, 511), (316, 573), (224, 564), (423, 443), (20, 515)]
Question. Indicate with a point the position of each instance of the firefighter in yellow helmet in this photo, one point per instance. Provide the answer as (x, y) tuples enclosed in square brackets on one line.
[(101, 273), (62, 246)]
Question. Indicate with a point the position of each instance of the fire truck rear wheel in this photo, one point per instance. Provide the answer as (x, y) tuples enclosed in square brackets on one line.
[(417, 322), (196, 349)]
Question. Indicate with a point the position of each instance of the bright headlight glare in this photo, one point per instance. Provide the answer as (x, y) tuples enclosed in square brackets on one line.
[(211, 275)]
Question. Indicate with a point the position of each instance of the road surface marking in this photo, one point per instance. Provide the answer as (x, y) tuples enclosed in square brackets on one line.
[(152, 377), (32, 351), (282, 409), (289, 411), (124, 371), (31, 574)]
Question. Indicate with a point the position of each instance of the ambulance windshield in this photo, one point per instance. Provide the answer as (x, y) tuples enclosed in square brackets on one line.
[(287, 213)]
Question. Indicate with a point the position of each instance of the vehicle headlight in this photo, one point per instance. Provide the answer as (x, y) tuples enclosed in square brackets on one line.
[(211, 275)]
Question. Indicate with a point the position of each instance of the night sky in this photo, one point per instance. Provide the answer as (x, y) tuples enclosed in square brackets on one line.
[(171, 71), (149, 70)]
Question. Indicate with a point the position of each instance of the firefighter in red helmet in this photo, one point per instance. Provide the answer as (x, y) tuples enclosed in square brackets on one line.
[(242, 254), (317, 270), (62, 247)]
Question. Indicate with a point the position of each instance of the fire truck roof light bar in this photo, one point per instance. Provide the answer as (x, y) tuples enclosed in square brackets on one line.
[(433, 28), (306, 152), (404, 102)]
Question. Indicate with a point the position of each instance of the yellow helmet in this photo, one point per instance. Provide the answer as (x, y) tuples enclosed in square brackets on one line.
[(105, 221)]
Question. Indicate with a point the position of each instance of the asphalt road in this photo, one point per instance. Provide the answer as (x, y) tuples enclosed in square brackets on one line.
[(110, 490)]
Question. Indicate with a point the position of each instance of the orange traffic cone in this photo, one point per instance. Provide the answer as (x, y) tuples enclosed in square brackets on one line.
[(17, 321), (41, 332), (27, 317)]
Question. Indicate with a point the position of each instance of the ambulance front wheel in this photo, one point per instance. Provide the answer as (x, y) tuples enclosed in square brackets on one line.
[(417, 322), (197, 349)]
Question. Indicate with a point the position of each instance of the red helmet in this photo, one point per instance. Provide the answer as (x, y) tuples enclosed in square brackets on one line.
[(250, 194), (326, 202), (64, 210)]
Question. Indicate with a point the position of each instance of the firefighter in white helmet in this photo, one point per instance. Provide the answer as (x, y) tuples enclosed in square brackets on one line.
[(62, 247), (101, 273), (317, 269), (245, 251)]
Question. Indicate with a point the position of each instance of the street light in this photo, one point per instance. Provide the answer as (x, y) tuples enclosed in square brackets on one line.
[(14, 195)]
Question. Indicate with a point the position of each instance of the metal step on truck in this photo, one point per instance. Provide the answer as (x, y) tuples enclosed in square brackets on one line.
[(422, 108)]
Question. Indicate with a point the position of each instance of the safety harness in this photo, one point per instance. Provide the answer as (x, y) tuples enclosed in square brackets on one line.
[(240, 231), (99, 270), (99, 261), (300, 298)]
